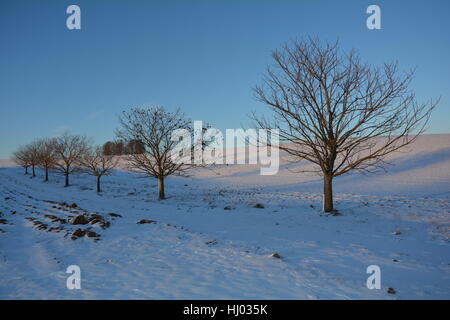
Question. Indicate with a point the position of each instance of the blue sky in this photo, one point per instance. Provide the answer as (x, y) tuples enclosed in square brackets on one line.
[(201, 56)]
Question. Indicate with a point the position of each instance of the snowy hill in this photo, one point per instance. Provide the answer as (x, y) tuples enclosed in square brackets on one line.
[(210, 239)]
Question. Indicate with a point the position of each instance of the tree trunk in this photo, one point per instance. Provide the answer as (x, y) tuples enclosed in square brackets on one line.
[(67, 175), (26, 170), (327, 193), (34, 173), (46, 174), (162, 195), (67, 179), (98, 184)]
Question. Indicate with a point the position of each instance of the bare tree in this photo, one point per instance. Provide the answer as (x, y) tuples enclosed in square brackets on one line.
[(21, 157), (98, 164), (32, 151), (337, 112), (153, 128), (69, 150), (47, 154)]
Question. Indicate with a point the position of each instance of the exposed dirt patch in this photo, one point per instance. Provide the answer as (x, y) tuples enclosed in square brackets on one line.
[(53, 218), (79, 233), (211, 243), (61, 216), (81, 219), (114, 215), (144, 221)]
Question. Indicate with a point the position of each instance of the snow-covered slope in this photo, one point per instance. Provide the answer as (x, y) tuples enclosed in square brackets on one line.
[(207, 240)]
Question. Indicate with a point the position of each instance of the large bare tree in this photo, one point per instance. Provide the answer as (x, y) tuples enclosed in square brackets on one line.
[(153, 127), (98, 164), (69, 150), (337, 112)]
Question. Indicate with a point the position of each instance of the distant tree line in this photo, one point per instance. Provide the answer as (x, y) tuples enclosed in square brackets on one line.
[(119, 147)]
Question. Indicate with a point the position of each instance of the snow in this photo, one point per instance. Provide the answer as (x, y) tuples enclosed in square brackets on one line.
[(198, 250)]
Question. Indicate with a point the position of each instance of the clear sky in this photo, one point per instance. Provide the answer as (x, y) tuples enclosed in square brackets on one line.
[(201, 56)]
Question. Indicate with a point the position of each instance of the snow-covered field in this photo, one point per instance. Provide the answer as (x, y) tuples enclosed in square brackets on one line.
[(196, 249)]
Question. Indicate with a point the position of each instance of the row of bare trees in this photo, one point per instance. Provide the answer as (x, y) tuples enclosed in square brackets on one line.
[(146, 132), (65, 155), (330, 108)]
